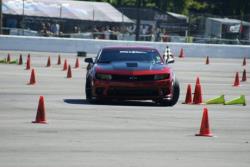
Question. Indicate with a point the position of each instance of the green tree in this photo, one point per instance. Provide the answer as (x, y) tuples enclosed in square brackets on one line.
[(228, 7), (218, 7)]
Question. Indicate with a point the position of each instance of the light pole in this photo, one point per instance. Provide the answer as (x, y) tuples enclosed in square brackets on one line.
[(93, 14), (23, 18), (138, 20), (60, 12), (1, 17)]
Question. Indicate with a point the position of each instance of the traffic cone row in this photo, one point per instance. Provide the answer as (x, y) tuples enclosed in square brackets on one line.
[(182, 55), (28, 61), (41, 112), (237, 80), (65, 67), (33, 75), (197, 98)]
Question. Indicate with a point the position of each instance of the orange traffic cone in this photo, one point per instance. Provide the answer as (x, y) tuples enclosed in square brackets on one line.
[(20, 62), (181, 53), (204, 129), (32, 77), (207, 60), (59, 60), (48, 62), (65, 66), (40, 115), (8, 58), (77, 63), (197, 81), (236, 80), (188, 99), (244, 76), (244, 61), (28, 63), (69, 73), (197, 99)]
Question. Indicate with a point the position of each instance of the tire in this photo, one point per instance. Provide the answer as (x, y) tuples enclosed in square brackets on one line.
[(176, 90), (176, 94), (88, 92)]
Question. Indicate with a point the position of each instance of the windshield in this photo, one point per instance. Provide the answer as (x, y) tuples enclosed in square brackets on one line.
[(110, 55)]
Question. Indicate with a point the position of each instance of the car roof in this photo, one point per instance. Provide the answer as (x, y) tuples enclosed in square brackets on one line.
[(128, 47)]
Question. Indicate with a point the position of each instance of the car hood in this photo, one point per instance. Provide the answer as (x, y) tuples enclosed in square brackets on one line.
[(132, 68)]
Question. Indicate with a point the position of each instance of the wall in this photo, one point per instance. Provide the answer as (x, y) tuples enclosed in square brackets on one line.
[(72, 45)]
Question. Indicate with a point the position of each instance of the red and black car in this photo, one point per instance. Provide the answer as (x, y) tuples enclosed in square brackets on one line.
[(131, 73)]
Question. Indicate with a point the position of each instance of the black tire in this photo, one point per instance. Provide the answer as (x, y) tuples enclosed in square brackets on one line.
[(176, 94), (176, 89), (88, 92)]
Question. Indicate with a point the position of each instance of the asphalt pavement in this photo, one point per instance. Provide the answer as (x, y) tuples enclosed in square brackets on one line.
[(121, 134)]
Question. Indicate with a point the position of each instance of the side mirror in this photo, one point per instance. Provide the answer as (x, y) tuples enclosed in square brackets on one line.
[(89, 60)]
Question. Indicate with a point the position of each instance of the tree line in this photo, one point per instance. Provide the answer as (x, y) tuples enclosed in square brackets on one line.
[(215, 7)]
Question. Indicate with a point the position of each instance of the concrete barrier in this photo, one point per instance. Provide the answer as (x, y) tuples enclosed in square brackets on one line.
[(73, 45)]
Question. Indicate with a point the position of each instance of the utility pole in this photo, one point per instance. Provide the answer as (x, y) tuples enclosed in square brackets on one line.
[(23, 18), (1, 17), (138, 20)]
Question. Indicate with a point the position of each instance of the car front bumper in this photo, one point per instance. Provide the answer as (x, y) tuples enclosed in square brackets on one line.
[(139, 90)]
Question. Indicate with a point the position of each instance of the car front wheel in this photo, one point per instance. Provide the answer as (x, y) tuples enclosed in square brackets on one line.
[(88, 92), (175, 97)]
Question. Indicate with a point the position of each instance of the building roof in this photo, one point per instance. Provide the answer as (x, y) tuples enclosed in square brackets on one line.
[(229, 21), (68, 9), (151, 14), (176, 15)]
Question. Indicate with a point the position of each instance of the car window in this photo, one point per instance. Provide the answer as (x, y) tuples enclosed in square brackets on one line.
[(111, 55)]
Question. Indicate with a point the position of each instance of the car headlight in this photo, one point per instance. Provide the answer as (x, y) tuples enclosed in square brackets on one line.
[(103, 76), (161, 76)]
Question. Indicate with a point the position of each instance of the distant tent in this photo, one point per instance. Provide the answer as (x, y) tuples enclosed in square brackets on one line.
[(217, 27), (172, 22), (68, 9)]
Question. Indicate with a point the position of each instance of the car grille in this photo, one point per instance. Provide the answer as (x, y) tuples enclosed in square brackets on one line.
[(132, 92), (131, 78)]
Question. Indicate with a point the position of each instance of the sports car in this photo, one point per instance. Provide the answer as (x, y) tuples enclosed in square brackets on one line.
[(131, 73)]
